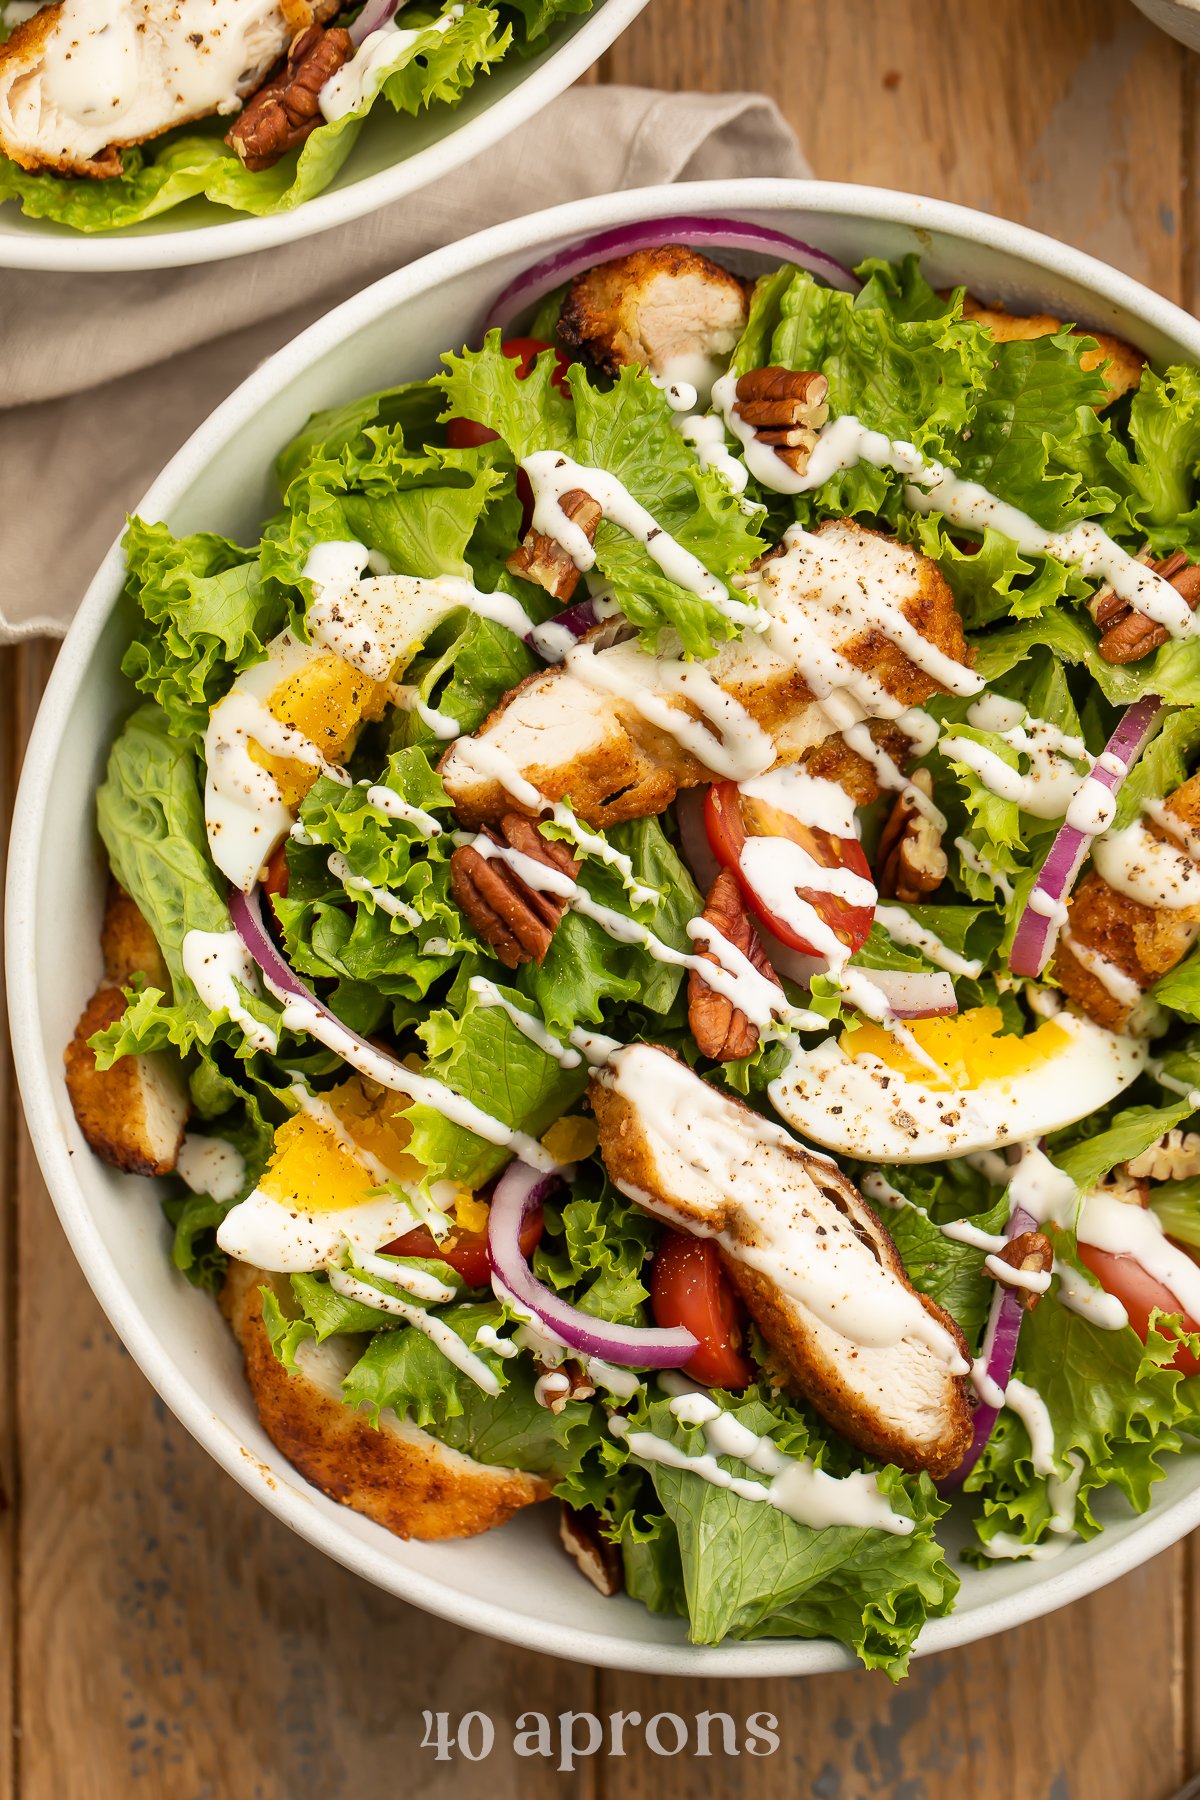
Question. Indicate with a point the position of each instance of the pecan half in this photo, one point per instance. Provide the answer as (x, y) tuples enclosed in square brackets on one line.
[(590, 1551), (787, 408), (1175, 1157), (287, 109), (1033, 1254), (910, 860), (542, 559), (1126, 635), (719, 1028), (517, 920)]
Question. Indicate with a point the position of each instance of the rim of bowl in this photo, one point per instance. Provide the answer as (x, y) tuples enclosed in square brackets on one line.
[(28, 245), (280, 1490)]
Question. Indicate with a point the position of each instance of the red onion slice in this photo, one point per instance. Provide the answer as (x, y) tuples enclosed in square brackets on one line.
[(373, 15), (518, 1191), (713, 234), (1039, 924), (998, 1356)]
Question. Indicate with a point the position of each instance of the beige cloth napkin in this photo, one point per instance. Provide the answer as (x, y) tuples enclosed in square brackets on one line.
[(104, 376)]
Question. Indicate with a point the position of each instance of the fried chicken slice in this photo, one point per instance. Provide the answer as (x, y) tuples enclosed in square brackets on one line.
[(397, 1474), (134, 1114), (796, 1240), (570, 737), (77, 81), (664, 308), (1119, 363), (1110, 935)]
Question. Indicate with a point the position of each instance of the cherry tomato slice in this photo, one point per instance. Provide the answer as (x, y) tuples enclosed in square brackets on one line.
[(277, 872), (730, 817), (464, 1251), (1139, 1293), (689, 1287), (465, 434)]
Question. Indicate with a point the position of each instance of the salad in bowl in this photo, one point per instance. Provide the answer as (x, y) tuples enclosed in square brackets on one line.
[(652, 931), (114, 112)]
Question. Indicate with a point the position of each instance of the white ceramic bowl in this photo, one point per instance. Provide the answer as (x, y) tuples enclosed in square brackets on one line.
[(393, 156), (513, 1583), (1180, 18)]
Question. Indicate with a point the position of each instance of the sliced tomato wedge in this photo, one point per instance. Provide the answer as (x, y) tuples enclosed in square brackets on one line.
[(689, 1287), (277, 872), (1139, 1293), (464, 1251), (730, 817)]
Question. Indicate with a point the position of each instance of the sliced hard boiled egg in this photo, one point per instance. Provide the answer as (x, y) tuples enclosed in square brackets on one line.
[(948, 1087), (283, 723), (321, 1189)]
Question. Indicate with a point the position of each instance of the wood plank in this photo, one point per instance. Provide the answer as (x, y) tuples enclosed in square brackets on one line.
[(9, 1501), (1067, 117), (996, 1719), (172, 1633)]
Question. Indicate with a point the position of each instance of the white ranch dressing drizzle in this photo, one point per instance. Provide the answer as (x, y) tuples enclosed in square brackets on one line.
[(877, 1187), (795, 1486), (1124, 990), (211, 1165), (734, 975), (724, 739), (301, 1015), (386, 800), (535, 1335), (528, 1023), (215, 962), (413, 1281), (391, 904), (553, 474), (408, 699), (980, 866), (490, 1338), (360, 79), (122, 70), (706, 433), (490, 762), (1035, 1281), (436, 1330), (902, 928), (844, 442), (1050, 783), (1141, 866)]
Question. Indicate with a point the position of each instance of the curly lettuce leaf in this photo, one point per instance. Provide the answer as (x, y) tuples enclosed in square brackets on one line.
[(206, 612), (596, 1247), (746, 1570)]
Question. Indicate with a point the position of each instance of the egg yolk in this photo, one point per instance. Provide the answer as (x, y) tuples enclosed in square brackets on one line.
[(327, 701), (970, 1048), (571, 1139), (313, 1170)]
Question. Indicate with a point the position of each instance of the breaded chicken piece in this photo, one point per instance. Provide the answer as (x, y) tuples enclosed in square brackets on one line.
[(396, 1474), (661, 307), (786, 1221), (134, 1114), (77, 81), (1141, 943), (128, 945), (572, 738), (1120, 364)]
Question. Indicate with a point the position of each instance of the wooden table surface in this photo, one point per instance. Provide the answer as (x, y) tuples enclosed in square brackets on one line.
[(160, 1635)]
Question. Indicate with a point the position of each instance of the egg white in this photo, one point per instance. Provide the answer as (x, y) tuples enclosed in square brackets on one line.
[(273, 1235), (858, 1107)]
